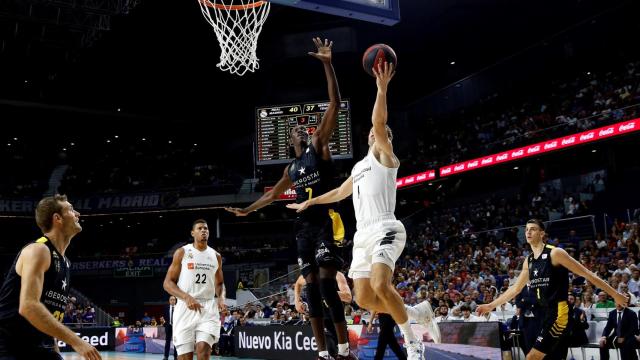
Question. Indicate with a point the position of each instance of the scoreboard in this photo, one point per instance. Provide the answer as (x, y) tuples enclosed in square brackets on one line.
[(274, 122)]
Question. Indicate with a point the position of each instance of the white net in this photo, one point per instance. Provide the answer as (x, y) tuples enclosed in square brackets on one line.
[(237, 24)]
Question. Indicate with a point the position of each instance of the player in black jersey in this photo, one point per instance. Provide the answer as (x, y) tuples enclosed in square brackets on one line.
[(311, 173), (547, 271), (35, 291)]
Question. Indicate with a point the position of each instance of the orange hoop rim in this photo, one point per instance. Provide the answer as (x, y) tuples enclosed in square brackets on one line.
[(252, 5)]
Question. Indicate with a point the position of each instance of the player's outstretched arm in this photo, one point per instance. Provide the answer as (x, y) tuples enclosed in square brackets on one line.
[(512, 292), (384, 73), (560, 257), (270, 196), (329, 120), (332, 196)]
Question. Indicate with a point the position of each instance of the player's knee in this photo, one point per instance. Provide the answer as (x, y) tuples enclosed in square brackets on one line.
[(380, 286), (203, 350), (364, 299)]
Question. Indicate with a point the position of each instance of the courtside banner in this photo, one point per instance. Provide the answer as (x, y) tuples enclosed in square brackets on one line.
[(564, 142), (276, 342), (102, 338)]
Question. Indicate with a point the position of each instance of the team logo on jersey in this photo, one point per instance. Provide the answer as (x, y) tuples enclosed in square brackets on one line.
[(301, 170), (64, 284), (544, 256), (190, 255), (539, 339), (535, 272), (190, 266)]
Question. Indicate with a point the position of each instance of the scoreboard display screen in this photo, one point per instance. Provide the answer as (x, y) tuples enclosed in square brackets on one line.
[(273, 124)]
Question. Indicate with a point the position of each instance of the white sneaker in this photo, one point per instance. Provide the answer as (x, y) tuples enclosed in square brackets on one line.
[(423, 314), (415, 350)]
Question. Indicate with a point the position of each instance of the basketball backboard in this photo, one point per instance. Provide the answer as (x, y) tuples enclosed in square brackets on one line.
[(386, 12)]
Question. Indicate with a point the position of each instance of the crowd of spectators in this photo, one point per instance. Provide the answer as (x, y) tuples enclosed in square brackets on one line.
[(79, 315), (573, 104)]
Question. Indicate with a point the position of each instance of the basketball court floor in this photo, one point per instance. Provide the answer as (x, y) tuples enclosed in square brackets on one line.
[(112, 355)]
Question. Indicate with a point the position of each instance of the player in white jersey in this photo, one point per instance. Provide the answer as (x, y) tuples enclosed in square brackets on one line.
[(195, 278), (380, 238)]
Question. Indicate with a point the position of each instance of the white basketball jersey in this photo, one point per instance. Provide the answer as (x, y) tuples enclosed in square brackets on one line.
[(198, 273), (374, 189)]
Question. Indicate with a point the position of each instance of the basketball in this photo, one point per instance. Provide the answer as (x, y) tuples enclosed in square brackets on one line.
[(378, 54)]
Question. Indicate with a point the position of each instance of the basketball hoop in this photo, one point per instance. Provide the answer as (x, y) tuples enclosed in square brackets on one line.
[(237, 24)]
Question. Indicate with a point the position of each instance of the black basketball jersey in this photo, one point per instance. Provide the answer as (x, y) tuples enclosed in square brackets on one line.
[(311, 176), (549, 284), (55, 292)]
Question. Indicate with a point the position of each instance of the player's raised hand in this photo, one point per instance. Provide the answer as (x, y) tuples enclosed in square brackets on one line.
[(237, 211), (324, 50), (384, 72), (299, 207)]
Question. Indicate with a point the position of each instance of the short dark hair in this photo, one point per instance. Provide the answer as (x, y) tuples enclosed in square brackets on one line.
[(199, 221), (46, 208), (465, 307), (537, 222)]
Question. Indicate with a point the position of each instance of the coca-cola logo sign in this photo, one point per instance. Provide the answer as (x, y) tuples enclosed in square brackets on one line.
[(472, 164), (626, 127), (605, 132), (550, 145), (533, 149), (502, 157), (487, 161), (517, 153), (445, 171), (588, 136), (458, 167), (569, 140)]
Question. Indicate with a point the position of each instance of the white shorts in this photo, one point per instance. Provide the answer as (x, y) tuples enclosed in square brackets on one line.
[(381, 242), (187, 324)]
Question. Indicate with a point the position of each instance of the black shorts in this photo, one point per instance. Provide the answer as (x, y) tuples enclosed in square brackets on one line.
[(316, 247), (554, 335)]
